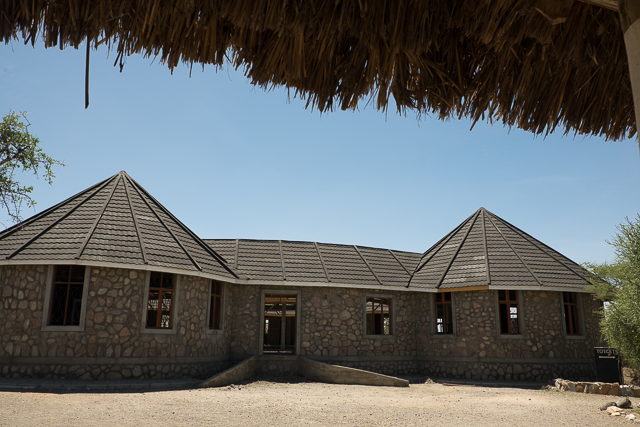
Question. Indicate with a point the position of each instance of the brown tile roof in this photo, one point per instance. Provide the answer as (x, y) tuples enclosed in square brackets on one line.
[(115, 221), (286, 261), (487, 250)]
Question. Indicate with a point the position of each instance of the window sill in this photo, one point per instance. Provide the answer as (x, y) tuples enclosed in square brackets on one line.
[(50, 328), (443, 336), (381, 336), (511, 336), (575, 337), (159, 331), (214, 331)]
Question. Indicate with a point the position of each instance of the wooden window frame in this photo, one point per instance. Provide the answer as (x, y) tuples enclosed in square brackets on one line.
[(216, 306), (174, 305), (509, 303), (572, 309), (447, 307), (263, 295), (386, 300), (49, 299)]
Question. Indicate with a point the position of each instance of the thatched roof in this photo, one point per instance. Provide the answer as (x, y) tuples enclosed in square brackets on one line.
[(535, 64)]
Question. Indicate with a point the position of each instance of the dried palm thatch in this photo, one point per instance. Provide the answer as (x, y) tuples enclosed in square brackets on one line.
[(535, 64)]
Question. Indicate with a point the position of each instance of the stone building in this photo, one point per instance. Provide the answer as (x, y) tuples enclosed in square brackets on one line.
[(109, 284)]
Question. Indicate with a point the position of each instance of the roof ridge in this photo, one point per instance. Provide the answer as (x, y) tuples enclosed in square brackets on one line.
[(367, 264), (57, 221), (443, 240), (486, 249), (21, 225), (99, 217), (313, 242), (514, 251), (143, 249), (555, 254), (175, 238), (237, 253), (455, 254), (324, 267), (184, 228), (284, 274), (399, 262)]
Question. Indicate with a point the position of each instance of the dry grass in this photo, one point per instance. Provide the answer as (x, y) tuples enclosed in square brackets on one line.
[(535, 64)]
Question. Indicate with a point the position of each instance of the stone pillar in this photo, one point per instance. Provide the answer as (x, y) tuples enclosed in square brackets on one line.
[(630, 22)]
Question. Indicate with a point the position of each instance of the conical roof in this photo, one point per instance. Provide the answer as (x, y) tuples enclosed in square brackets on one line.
[(113, 222), (486, 251)]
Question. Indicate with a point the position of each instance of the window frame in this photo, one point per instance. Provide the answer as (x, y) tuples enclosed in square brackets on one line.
[(174, 305), (579, 314), (48, 300), (222, 297), (434, 317), (269, 291), (392, 317), (521, 317)]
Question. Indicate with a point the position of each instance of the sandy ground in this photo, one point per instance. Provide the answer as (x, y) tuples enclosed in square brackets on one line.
[(265, 403)]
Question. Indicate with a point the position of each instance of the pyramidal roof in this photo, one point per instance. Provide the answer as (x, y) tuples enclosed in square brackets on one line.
[(486, 250), (113, 222)]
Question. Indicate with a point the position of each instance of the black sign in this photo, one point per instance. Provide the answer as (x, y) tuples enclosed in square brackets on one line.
[(607, 365)]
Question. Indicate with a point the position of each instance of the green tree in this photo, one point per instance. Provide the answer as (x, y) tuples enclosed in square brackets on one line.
[(19, 152), (619, 284)]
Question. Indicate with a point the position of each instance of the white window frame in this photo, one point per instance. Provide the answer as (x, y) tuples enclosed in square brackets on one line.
[(47, 304)]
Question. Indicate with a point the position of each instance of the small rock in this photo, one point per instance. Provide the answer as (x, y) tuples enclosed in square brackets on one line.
[(624, 403), (625, 390), (604, 406), (614, 409), (631, 417), (615, 414)]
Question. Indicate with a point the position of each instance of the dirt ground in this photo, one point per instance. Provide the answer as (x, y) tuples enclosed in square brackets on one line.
[(261, 403)]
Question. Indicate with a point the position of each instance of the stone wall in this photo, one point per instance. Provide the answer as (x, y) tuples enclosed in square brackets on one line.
[(112, 344), (332, 322), (541, 352), (332, 329)]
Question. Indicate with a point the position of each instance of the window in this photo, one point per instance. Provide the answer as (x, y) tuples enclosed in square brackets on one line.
[(378, 316), (571, 317), (215, 305), (160, 301), (509, 312), (444, 313), (66, 295)]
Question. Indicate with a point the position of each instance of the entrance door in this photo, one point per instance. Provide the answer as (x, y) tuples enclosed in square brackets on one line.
[(279, 324)]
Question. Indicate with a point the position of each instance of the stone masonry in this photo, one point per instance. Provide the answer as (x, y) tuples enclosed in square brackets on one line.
[(332, 329), (112, 345)]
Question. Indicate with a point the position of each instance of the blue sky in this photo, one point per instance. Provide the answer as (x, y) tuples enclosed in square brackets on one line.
[(233, 161)]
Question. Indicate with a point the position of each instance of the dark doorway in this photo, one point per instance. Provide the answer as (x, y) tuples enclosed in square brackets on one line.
[(279, 324)]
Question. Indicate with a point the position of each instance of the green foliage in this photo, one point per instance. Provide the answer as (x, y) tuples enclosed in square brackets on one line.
[(19, 152), (619, 283)]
